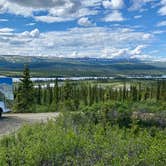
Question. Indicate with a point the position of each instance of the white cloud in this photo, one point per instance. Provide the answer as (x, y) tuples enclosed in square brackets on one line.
[(69, 7), (162, 10), (138, 16), (76, 42), (113, 52), (34, 34), (57, 10), (143, 57), (158, 32), (86, 12), (84, 21), (14, 8), (147, 36), (6, 30), (3, 20), (137, 50), (127, 53), (113, 4), (162, 23), (91, 41), (61, 15), (40, 4), (114, 16), (91, 3), (50, 19), (139, 4), (31, 24)]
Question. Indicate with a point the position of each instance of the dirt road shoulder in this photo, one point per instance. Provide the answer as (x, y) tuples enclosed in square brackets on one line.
[(12, 122)]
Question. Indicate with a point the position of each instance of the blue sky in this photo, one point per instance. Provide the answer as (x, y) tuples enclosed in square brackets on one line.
[(84, 28)]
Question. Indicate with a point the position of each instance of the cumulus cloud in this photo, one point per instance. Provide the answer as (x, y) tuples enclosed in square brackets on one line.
[(6, 30), (67, 10), (114, 16), (162, 23), (34, 33), (124, 53), (113, 4), (147, 36), (87, 40), (41, 4), (50, 19), (113, 52), (76, 42), (92, 3), (138, 4), (60, 16), (84, 21), (162, 10), (137, 50), (14, 8), (57, 10)]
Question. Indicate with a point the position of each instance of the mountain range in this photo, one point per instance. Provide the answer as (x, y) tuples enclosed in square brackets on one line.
[(53, 66)]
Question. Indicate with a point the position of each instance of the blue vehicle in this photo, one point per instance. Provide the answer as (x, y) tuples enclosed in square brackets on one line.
[(6, 94)]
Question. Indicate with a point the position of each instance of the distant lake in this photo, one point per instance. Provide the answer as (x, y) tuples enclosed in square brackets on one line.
[(64, 78), (90, 78), (148, 77)]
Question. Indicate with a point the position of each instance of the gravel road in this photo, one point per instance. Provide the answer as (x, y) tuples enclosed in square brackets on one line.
[(12, 122)]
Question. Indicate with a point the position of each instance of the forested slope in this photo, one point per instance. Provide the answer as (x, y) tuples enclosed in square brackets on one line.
[(13, 65)]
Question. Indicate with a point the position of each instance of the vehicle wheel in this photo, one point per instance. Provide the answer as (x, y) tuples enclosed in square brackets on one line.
[(0, 112)]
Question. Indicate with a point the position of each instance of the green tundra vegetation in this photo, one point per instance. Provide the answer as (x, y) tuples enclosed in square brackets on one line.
[(121, 123)]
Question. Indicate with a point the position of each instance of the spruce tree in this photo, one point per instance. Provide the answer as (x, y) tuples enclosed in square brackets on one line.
[(124, 91), (39, 94), (25, 96), (158, 91), (45, 96), (56, 92), (139, 91), (67, 95), (50, 94)]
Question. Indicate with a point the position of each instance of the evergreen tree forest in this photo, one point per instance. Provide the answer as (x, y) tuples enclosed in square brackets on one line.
[(72, 95)]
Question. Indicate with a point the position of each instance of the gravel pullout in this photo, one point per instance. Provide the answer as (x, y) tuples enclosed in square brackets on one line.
[(12, 122)]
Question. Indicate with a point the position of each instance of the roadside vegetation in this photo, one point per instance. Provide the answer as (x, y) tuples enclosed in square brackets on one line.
[(114, 124), (75, 140)]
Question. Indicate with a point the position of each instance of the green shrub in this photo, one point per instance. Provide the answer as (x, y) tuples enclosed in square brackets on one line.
[(66, 143)]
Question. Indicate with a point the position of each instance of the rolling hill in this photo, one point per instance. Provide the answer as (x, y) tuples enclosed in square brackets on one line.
[(52, 66)]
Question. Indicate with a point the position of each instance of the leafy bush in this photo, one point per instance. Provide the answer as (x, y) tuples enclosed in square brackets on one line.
[(66, 143)]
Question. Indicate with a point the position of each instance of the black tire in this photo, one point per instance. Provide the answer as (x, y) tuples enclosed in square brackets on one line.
[(0, 112)]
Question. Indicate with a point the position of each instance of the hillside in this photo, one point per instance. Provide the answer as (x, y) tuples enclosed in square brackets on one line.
[(13, 65)]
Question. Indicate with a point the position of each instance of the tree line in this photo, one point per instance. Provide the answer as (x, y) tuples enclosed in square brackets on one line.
[(72, 95)]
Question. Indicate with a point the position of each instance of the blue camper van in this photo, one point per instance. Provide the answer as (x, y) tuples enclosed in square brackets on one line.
[(6, 94)]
